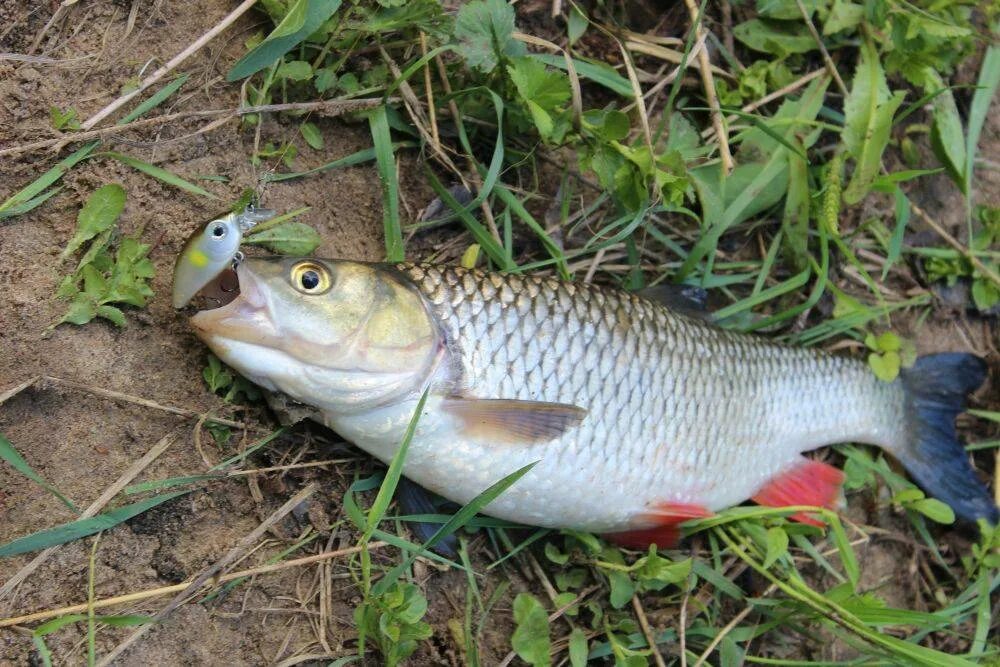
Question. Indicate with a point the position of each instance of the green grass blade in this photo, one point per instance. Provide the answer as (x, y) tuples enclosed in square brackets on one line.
[(82, 527), (599, 73), (21, 209), (385, 161), (388, 488), (986, 88), (156, 99), (161, 174), (9, 454), (42, 183), (460, 518), (159, 484), (360, 157)]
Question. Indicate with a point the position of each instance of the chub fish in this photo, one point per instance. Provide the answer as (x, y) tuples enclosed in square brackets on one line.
[(639, 417)]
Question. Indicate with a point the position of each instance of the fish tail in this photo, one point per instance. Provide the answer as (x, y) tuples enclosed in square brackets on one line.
[(936, 388)]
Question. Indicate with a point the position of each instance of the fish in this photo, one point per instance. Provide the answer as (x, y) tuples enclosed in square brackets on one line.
[(210, 250), (636, 417)]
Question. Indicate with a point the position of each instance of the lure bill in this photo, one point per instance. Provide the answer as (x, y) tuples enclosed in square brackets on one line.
[(210, 250)]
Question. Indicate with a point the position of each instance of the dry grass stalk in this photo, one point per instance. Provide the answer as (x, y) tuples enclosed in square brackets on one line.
[(709, 83)]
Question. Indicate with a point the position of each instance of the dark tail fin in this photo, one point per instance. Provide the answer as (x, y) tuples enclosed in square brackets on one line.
[(936, 389)]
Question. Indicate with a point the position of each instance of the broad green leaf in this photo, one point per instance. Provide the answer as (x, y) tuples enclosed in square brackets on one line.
[(290, 238), (161, 174), (885, 366), (779, 38), (576, 24), (304, 17), (99, 213), (787, 9), (578, 648), (112, 314), (777, 545), (935, 510), (947, 138), (622, 588), (82, 527), (312, 135), (294, 70), (484, 30), (9, 454), (531, 637), (843, 16), (868, 111)]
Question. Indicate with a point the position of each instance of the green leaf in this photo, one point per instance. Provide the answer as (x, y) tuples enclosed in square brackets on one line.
[(64, 120), (82, 527), (576, 24), (326, 79), (294, 70), (484, 30), (935, 510), (778, 38), (9, 454), (868, 112), (622, 588), (777, 545), (947, 138), (531, 637), (289, 238), (161, 174), (885, 366), (843, 16), (543, 90), (312, 135), (81, 310), (787, 9), (578, 648), (112, 314), (100, 212), (304, 18)]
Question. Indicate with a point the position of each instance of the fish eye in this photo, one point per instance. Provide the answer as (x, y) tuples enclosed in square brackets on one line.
[(218, 230), (310, 278)]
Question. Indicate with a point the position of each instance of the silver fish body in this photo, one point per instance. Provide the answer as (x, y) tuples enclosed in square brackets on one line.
[(676, 412)]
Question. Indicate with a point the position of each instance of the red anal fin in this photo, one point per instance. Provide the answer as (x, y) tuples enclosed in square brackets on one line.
[(666, 532), (807, 483)]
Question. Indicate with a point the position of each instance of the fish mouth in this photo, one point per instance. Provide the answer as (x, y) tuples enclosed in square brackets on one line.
[(246, 318)]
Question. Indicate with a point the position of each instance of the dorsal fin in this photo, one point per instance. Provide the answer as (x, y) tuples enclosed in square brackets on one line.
[(686, 299)]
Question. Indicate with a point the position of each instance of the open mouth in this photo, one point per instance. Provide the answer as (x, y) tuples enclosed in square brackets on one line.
[(236, 308)]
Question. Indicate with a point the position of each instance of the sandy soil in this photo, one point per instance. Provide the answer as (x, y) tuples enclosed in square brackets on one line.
[(82, 443)]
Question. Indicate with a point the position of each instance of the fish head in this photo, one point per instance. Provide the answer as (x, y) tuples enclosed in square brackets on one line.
[(339, 335), (207, 252)]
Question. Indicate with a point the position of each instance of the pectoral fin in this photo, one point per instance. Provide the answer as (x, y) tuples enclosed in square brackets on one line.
[(514, 422)]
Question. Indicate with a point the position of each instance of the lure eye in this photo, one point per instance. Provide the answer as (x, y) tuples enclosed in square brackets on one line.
[(218, 231), (310, 278)]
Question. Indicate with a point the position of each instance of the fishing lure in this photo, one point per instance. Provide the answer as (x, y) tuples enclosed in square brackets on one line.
[(211, 250)]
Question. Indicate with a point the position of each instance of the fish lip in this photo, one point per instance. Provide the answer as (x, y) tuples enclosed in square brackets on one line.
[(247, 318)]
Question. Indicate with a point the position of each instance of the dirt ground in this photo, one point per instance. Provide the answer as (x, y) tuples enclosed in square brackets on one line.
[(82, 443)]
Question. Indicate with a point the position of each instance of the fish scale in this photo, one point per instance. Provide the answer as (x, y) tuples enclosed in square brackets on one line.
[(677, 410)]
